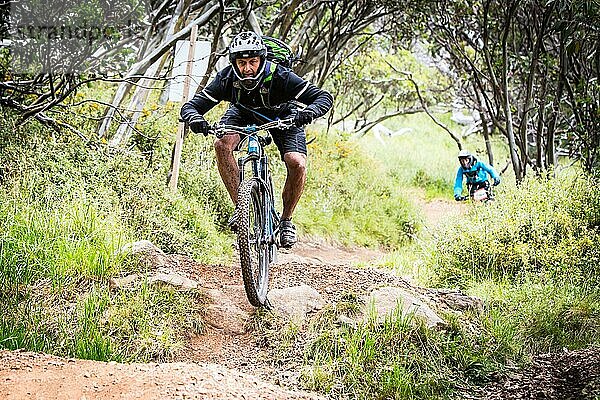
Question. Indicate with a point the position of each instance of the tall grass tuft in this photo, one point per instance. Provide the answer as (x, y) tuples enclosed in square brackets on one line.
[(65, 211), (397, 359)]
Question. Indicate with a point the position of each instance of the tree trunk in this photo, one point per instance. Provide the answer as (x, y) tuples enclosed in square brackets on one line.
[(485, 128), (516, 162)]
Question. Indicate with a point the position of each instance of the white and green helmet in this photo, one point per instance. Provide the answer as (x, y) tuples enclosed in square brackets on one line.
[(246, 45)]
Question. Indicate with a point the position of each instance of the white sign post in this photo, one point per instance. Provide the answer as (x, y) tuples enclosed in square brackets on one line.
[(188, 70), (180, 64)]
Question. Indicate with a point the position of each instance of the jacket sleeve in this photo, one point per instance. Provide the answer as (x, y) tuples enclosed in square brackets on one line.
[(458, 182), (317, 100), (490, 170), (202, 102)]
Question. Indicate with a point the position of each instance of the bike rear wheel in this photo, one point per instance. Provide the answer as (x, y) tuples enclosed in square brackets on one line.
[(252, 241)]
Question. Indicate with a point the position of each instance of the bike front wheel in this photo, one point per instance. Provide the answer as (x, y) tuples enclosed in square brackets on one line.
[(253, 241)]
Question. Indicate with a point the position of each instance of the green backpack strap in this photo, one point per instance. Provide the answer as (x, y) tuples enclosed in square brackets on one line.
[(271, 66)]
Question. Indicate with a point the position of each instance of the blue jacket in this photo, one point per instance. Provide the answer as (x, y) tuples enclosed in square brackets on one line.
[(477, 173)]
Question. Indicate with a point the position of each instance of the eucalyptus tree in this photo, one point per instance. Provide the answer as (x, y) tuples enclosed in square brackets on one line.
[(49, 49), (329, 32), (530, 67)]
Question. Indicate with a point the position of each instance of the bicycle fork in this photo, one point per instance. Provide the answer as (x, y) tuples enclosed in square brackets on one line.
[(260, 172)]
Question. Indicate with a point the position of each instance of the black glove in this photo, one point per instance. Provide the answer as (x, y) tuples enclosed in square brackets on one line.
[(303, 117), (199, 125), (496, 181)]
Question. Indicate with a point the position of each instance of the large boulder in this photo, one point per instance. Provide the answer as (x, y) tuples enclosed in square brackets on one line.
[(147, 252), (225, 315)]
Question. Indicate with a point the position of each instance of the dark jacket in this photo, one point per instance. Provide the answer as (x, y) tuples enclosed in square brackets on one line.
[(271, 98)]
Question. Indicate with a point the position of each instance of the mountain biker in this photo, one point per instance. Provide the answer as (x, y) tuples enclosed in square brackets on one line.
[(259, 91), (477, 175)]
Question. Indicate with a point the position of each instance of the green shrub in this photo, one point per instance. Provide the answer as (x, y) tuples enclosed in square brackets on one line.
[(396, 359), (348, 197), (65, 210), (533, 257), (544, 226), (537, 317)]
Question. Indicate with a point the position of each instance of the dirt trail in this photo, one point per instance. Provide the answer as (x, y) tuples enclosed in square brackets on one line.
[(25, 375), (221, 364), (215, 365), (218, 363), (437, 211)]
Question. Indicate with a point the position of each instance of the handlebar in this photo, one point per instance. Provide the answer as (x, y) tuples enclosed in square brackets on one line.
[(220, 130)]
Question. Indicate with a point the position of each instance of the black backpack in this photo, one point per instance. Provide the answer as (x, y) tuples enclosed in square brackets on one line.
[(279, 52)]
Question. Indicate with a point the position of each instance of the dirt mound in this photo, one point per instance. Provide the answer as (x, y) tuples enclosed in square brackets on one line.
[(32, 375)]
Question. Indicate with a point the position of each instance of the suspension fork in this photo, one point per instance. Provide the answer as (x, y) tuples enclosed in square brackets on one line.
[(271, 215)]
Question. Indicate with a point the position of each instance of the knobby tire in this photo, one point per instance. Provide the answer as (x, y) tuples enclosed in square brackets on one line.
[(254, 256)]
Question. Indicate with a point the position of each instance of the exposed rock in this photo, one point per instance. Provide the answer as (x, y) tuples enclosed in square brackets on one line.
[(456, 300), (147, 252), (124, 282), (224, 314), (296, 302), (173, 279), (386, 300), (164, 276)]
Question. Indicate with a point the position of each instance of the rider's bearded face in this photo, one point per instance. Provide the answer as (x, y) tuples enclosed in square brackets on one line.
[(464, 162), (248, 67)]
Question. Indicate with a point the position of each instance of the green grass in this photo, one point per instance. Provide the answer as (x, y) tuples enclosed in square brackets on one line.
[(425, 155), (397, 359), (349, 199), (539, 317), (65, 211), (545, 226), (55, 266)]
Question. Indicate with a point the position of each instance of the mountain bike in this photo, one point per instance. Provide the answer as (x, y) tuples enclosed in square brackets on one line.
[(481, 195), (257, 219)]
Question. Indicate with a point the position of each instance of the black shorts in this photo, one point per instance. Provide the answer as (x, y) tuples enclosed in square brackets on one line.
[(287, 141), (473, 187)]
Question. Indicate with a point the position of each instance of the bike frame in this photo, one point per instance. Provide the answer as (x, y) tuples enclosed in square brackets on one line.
[(256, 190), (258, 161)]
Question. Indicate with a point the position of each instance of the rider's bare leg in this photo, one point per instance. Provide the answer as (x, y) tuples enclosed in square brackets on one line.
[(228, 168), (295, 163)]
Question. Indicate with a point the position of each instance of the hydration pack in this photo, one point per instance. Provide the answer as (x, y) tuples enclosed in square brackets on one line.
[(279, 52)]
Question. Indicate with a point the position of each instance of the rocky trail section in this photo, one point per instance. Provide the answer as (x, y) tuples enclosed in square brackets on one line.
[(232, 359)]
